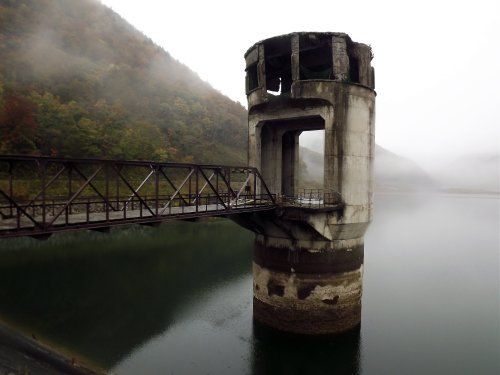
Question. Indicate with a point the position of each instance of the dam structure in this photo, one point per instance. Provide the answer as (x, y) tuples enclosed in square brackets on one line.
[(308, 254)]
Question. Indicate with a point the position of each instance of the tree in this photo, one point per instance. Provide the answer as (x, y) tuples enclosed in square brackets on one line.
[(17, 124)]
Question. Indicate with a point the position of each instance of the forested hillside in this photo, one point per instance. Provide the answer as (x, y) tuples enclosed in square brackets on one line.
[(78, 80)]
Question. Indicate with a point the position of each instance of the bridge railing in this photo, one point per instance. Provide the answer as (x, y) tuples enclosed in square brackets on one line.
[(313, 198), (41, 195)]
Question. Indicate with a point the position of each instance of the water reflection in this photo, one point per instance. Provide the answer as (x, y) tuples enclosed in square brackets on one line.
[(216, 335), (211, 336), (103, 296), (178, 299), (276, 352)]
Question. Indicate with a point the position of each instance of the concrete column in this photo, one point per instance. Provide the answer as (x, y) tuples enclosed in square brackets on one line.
[(289, 159), (271, 156), (363, 56), (261, 69), (295, 57), (340, 58), (296, 163), (304, 290)]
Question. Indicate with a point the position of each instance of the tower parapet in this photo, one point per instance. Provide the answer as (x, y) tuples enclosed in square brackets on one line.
[(286, 65)]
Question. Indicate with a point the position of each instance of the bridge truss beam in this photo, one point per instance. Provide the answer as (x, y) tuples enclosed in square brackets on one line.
[(43, 195)]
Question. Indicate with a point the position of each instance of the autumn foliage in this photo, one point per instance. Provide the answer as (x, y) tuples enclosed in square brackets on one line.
[(77, 80)]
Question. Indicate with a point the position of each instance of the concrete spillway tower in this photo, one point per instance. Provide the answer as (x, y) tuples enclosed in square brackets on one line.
[(308, 261)]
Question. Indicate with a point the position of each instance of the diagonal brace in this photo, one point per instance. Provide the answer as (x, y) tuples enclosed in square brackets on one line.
[(177, 191), (228, 185), (213, 188), (138, 188), (173, 186), (242, 187), (21, 209), (76, 194), (46, 186), (94, 188), (204, 186), (134, 192)]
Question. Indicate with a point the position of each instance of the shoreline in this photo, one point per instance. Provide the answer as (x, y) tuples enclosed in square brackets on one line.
[(444, 191), (20, 354)]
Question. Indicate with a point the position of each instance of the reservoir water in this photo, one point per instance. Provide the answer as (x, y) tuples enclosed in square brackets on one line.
[(178, 299)]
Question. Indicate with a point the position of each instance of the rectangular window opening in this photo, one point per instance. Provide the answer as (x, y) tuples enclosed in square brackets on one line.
[(278, 65), (252, 80), (353, 69), (315, 57)]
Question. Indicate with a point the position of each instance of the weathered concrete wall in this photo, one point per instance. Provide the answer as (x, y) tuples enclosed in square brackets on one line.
[(340, 58), (327, 302), (308, 264), (348, 115)]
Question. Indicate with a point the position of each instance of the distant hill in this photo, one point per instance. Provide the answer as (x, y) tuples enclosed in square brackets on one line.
[(392, 172), (311, 168), (395, 172), (77, 80), (474, 172)]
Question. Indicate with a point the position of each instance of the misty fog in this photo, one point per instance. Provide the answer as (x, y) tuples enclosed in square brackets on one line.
[(473, 173)]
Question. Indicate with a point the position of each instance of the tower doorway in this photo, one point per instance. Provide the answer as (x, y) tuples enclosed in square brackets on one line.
[(282, 165)]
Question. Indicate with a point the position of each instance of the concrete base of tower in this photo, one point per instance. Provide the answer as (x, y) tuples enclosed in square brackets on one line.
[(308, 292)]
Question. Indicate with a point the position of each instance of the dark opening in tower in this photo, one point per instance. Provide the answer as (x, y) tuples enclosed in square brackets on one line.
[(278, 53), (353, 69), (252, 81), (315, 57)]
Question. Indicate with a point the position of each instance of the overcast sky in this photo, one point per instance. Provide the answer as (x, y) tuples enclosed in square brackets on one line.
[(437, 63)]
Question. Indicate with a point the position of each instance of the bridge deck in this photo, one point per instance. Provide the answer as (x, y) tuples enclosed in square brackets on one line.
[(14, 227)]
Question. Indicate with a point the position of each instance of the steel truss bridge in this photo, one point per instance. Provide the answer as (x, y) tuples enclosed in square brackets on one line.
[(43, 195)]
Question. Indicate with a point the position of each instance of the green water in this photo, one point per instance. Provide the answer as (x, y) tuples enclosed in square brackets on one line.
[(103, 295), (178, 299)]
